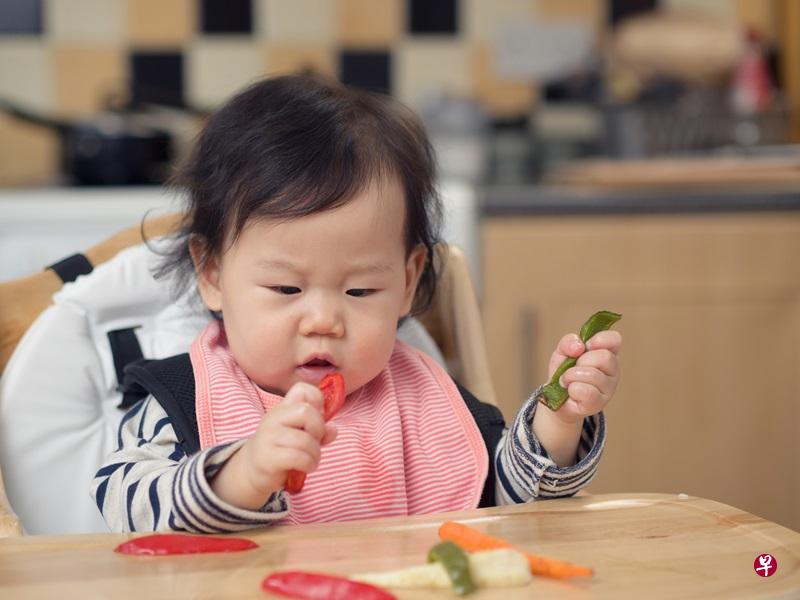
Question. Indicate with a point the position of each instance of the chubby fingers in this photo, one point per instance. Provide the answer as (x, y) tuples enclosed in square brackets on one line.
[(602, 353), (593, 380), (305, 392), (589, 391), (609, 340), (301, 409), (569, 346), (288, 437), (298, 448)]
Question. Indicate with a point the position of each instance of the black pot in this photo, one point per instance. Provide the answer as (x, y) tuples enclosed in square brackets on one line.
[(111, 148)]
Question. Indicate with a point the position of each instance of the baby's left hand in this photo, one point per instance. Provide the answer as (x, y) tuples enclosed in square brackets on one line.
[(593, 380)]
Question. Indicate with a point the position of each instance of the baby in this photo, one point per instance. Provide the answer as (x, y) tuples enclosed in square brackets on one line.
[(310, 234)]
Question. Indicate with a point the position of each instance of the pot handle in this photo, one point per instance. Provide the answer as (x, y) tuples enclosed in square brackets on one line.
[(23, 114)]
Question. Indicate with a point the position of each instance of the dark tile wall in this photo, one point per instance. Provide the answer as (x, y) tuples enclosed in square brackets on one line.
[(157, 77), (21, 16), (619, 10), (433, 16), (368, 70), (226, 16)]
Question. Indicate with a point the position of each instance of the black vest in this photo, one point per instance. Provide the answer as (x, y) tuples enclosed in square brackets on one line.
[(171, 382)]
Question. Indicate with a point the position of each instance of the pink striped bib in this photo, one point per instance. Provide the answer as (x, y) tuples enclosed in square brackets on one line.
[(407, 444)]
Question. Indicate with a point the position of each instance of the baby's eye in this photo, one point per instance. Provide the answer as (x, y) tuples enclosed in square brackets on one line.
[(285, 289), (360, 292)]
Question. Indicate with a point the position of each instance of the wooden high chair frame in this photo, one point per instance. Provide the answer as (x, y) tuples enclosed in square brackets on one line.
[(453, 321)]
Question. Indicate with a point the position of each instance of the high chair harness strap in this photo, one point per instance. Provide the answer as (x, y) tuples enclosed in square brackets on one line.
[(125, 350), (69, 268), (490, 422), (171, 382), (125, 347)]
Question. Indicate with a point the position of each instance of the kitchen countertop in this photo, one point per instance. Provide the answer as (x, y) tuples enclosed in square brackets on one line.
[(568, 200), (84, 204), (41, 226)]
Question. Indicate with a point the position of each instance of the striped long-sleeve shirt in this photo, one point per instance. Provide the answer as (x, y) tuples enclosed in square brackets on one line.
[(150, 484)]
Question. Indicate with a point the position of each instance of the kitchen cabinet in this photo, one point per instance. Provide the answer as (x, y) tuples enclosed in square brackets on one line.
[(709, 399)]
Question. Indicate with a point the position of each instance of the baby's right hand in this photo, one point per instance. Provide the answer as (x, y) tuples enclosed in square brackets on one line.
[(289, 437)]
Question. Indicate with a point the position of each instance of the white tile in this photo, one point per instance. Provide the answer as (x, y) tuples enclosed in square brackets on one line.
[(295, 20), (481, 18), (26, 74), (85, 20), (218, 68), (725, 9), (424, 69)]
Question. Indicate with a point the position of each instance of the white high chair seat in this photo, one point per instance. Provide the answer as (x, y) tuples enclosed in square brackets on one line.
[(58, 407), (58, 393)]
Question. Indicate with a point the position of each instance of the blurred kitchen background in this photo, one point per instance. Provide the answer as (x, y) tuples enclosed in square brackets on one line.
[(514, 92), (509, 89), (631, 155)]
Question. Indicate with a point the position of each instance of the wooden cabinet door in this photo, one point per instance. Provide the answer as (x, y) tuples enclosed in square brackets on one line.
[(709, 400)]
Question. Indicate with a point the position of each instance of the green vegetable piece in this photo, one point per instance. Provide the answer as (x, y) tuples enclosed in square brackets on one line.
[(456, 563), (554, 394)]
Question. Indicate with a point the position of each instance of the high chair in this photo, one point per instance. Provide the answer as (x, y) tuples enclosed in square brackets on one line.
[(41, 341)]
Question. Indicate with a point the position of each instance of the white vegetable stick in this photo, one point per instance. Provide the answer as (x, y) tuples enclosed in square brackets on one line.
[(490, 568)]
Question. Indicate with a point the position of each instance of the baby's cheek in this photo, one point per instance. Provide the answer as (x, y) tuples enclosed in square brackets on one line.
[(372, 352)]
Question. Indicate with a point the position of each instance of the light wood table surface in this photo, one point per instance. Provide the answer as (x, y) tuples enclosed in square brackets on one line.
[(641, 546)]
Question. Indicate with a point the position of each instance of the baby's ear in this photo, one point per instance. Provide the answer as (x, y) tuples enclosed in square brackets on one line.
[(207, 269), (414, 267)]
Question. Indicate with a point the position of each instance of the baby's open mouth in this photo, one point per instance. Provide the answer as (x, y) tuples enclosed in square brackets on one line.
[(315, 369), (318, 362)]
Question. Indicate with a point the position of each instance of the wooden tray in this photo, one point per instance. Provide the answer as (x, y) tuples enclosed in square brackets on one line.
[(641, 546)]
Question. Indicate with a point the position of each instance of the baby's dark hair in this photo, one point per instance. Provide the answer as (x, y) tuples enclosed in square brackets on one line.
[(291, 146)]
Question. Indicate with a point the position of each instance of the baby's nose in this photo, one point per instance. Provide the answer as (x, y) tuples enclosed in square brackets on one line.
[(323, 318)]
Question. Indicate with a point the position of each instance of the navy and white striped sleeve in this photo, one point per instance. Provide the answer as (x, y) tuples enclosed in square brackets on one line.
[(525, 472), (150, 484)]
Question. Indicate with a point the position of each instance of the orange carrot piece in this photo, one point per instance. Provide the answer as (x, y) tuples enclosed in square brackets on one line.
[(473, 540)]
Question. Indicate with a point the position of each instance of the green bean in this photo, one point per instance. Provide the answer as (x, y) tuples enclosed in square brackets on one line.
[(455, 562), (554, 394)]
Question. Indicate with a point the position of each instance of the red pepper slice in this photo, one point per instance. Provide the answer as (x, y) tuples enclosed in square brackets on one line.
[(295, 481), (161, 544), (332, 387), (317, 586)]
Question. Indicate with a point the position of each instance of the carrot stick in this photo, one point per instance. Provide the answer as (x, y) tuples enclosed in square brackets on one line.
[(473, 540)]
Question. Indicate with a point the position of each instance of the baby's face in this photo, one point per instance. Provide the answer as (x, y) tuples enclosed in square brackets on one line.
[(317, 294)]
